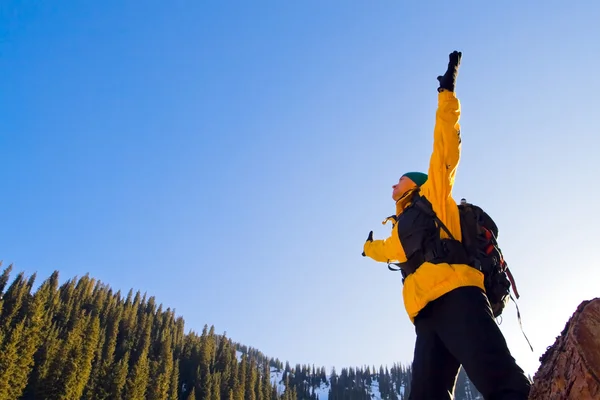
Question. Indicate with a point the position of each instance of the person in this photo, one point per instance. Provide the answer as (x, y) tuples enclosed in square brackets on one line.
[(443, 295), (463, 202)]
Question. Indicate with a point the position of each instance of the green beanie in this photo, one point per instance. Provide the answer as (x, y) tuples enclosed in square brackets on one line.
[(417, 177)]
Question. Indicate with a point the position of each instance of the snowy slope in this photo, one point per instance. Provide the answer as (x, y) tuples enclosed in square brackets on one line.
[(374, 390), (277, 378), (323, 390), (376, 393)]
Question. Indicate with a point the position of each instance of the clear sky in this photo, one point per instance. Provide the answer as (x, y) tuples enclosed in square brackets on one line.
[(230, 158)]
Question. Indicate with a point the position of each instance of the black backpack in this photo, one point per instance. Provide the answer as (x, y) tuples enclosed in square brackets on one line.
[(479, 239)]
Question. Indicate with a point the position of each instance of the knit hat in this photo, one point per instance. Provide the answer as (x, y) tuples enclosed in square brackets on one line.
[(417, 177)]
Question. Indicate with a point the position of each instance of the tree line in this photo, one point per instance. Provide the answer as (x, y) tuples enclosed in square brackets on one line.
[(82, 340)]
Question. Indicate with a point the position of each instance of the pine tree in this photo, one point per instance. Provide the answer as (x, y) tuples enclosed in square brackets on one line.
[(4, 277), (76, 357), (105, 367), (174, 383), (258, 393), (92, 336), (118, 378), (240, 389), (250, 393), (12, 304), (215, 387), (192, 395), (137, 382), (92, 386), (31, 340), (225, 364), (160, 380), (266, 382), (45, 355), (207, 355), (9, 356)]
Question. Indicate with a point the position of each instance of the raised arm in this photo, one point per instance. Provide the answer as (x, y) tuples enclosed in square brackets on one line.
[(446, 136)]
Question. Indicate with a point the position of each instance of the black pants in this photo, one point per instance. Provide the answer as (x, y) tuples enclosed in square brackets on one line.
[(459, 328)]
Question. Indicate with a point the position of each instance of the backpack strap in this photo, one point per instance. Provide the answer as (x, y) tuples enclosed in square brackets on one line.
[(512, 282), (399, 268), (520, 324), (429, 211)]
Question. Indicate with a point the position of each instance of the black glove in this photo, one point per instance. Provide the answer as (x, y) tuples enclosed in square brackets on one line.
[(448, 80), (369, 239)]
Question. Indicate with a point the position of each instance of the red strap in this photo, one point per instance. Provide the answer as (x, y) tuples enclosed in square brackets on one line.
[(512, 282)]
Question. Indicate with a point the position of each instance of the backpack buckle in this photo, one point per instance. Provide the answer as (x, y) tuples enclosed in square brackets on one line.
[(430, 254)]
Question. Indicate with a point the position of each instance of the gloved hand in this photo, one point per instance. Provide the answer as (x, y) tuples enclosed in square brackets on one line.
[(369, 239), (448, 80)]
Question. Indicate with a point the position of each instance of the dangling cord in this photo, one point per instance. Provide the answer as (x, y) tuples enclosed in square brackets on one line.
[(519, 318), (512, 281)]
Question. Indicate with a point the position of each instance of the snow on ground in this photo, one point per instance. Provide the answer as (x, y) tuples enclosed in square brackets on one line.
[(376, 393), (374, 390), (276, 375), (323, 391), (276, 378), (402, 390)]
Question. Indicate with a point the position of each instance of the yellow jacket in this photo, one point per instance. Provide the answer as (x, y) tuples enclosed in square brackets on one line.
[(431, 281)]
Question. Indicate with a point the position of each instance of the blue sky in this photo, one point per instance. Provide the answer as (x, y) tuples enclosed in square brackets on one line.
[(230, 158)]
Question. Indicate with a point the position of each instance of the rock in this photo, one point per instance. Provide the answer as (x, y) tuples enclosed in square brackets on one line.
[(570, 368)]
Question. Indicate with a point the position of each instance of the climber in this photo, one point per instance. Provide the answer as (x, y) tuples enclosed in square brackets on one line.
[(444, 296)]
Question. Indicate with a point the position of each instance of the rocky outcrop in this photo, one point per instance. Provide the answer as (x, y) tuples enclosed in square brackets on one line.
[(570, 368)]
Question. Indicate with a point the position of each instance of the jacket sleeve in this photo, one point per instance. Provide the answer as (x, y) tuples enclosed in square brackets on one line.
[(446, 147), (385, 250)]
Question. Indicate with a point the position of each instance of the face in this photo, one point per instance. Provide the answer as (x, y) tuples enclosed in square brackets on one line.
[(404, 184)]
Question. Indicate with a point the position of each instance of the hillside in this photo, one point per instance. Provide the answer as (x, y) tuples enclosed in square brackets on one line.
[(81, 340)]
